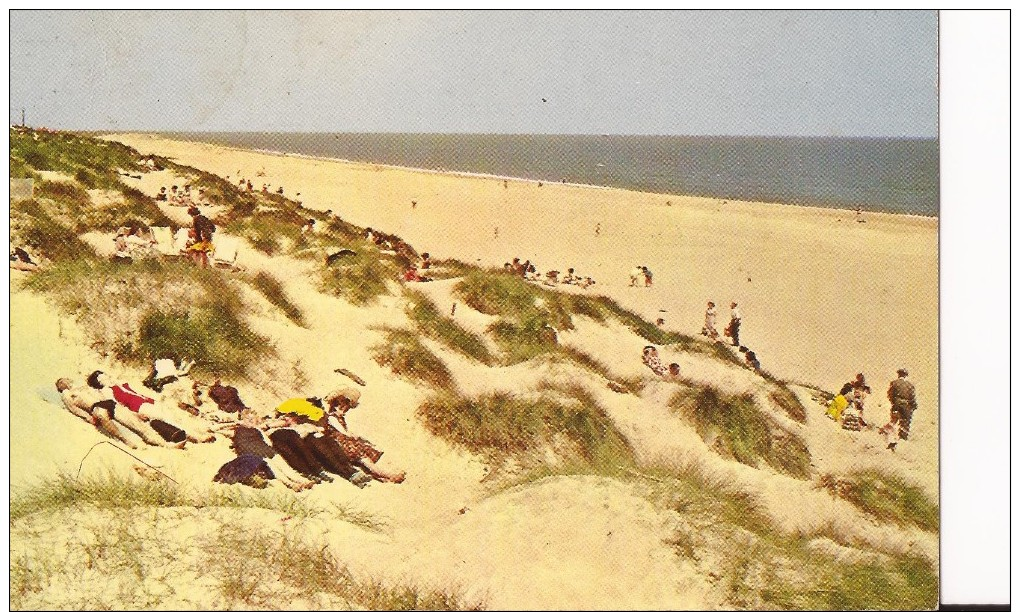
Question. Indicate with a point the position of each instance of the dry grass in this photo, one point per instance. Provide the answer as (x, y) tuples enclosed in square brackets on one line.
[(885, 496)]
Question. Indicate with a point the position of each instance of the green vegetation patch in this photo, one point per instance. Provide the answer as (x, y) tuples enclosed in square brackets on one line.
[(360, 278), (501, 426), (725, 532), (92, 162), (152, 309), (740, 429), (424, 314), (273, 290), (404, 354), (886, 497)]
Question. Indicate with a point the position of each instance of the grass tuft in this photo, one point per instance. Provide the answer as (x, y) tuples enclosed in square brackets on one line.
[(424, 314), (405, 355), (500, 426), (737, 428), (886, 497), (361, 278), (272, 289)]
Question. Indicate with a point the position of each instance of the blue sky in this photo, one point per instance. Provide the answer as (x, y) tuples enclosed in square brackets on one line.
[(792, 73)]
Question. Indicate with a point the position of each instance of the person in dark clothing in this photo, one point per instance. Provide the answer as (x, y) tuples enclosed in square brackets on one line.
[(203, 229), (903, 401)]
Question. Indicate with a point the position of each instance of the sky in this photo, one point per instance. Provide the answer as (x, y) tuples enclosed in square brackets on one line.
[(773, 73)]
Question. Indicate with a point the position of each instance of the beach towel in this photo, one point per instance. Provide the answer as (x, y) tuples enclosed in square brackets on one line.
[(836, 408), (243, 469), (180, 240)]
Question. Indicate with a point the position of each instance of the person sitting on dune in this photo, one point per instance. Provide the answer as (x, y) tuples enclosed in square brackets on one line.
[(650, 357), (308, 227), (358, 450), (21, 260), (247, 439)]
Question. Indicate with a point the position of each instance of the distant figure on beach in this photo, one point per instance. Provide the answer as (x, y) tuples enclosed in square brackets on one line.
[(903, 401), (674, 371), (598, 229), (504, 184), (635, 274), (161, 196), (752, 360), (280, 191), (647, 274), (414, 204), (860, 214), (308, 227), (495, 233), (426, 261), (650, 357), (709, 328), (733, 330), (660, 322)]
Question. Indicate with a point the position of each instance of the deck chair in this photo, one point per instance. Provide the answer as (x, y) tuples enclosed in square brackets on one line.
[(225, 254), (181, 240), (165, 241)]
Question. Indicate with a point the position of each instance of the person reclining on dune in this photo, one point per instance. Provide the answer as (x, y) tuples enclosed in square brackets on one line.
[(650, 357), (358, 450), (21, 260), (247, 439), (148, 409), (102, 412), (297, 435)]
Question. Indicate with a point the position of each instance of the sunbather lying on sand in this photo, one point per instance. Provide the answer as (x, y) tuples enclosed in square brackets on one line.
[(148, 409), (102, 412)]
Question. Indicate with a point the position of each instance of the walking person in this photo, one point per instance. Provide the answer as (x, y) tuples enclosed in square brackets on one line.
[(203, 229), (734, 327), (903, 401)]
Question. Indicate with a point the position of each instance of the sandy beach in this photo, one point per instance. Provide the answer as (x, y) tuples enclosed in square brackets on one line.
[(823, 297)]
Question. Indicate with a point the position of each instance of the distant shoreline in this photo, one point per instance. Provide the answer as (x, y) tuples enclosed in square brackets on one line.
[(870, 209)]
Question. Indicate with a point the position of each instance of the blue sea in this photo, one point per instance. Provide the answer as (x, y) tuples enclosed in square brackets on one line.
[(898, 175)]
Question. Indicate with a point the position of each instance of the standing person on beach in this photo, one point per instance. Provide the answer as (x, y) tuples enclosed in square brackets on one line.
[(203, 230), (734, 328), (903, 401), (709, 328), (635, 274)]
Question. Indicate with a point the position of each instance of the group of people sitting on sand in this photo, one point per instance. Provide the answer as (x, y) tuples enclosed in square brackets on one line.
[(178, 197), (304, 441), (527, 271), (134, 242), (847, 407)]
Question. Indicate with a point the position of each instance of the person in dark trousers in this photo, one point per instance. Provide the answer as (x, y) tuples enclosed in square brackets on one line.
[(903, 401), (734, 327)]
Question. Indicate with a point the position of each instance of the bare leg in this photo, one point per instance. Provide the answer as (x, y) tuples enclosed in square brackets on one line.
[(380, 474), (290, 477), (109, 427), (132, 421)]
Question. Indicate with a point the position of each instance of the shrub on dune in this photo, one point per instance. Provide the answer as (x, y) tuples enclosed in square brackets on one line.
[(739, 429), (405, 355), (885, 496), (501, 426)]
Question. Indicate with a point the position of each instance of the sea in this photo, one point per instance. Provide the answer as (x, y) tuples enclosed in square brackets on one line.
[(895, 175)]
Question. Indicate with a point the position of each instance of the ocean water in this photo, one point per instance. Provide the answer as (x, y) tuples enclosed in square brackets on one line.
[(878, 174)]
